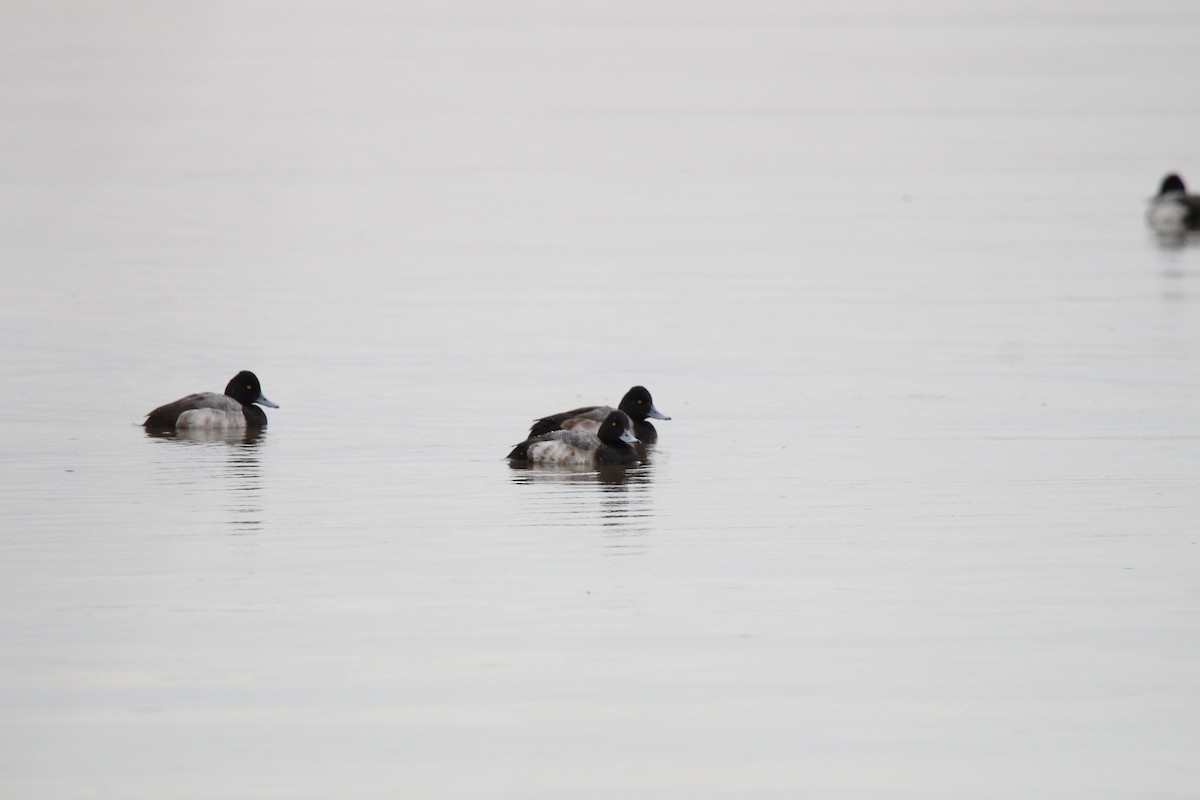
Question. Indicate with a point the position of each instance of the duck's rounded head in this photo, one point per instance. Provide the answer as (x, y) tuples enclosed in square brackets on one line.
[(245, 388), (638, 404), (617, 427), (1172, 183)]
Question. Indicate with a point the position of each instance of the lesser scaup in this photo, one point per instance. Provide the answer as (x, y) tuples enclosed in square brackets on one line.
[(582, 448), (1173, 211), (233, 410), (637, 403)]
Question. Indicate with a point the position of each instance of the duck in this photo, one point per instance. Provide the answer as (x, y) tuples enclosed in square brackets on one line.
[(636, 403), (1173, 211), (236, 409), (579, 447)]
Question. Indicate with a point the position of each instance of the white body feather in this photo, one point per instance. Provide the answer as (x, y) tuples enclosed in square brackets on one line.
[(573, 448), (210, 411), (216, 419), (1167, 215)]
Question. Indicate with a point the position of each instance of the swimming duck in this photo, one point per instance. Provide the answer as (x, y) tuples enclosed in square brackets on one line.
[(1174, 211), (233, 410), (637, 403), (580, 447)]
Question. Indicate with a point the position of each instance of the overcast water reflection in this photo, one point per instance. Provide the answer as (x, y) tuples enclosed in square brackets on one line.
[(222, 464), (923, 523), (619, 499)]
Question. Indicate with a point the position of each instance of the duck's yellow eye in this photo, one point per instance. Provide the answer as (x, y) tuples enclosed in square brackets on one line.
[(248, 386), (639, 402), (613, 424)]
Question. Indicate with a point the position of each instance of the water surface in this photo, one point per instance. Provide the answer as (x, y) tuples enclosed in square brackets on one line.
[(923, 523)]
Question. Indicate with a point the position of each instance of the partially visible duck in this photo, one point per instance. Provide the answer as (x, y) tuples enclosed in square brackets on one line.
[(582, 448), (233, 410), (1173, 211), (637, 403)]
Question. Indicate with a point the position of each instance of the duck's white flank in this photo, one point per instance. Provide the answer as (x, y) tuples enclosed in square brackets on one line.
[(212, 419), (1167, 215), (557, 451)]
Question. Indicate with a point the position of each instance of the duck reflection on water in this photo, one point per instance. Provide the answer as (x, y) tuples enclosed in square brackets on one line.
[(617, 499), (224, 458)]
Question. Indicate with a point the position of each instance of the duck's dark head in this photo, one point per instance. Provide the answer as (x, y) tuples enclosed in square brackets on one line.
[(245, 388), (1172, 183), (638, 404), (617, 427)]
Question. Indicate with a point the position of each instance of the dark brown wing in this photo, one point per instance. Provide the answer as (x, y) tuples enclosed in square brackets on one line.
[(165, 416), (583, 440), (555, 422)]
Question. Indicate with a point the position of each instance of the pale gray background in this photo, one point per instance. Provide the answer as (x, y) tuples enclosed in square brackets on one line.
[(924, 524)]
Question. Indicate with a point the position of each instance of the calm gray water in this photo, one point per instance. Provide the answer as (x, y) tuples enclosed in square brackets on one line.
[(924, 524)]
